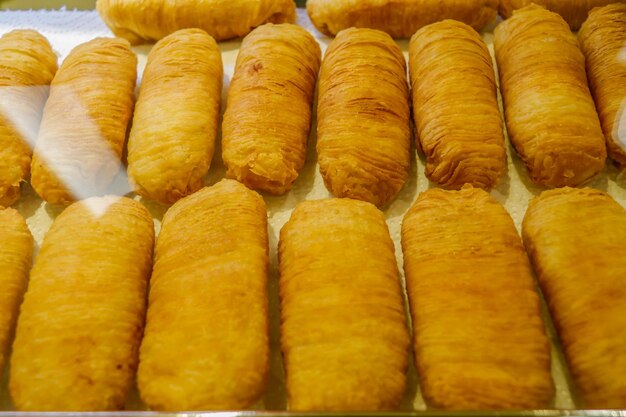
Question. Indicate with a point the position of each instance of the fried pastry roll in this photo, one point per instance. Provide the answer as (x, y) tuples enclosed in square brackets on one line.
[(16, 252), (575, 238), (399, 18), (455, 106), (573, 11), (602, 39), (488, 349), (27, 65), (148, 21), (344, 335), (172, 140), (84, 122), (78, 333), (210, 351), (268, 115), (363, 132), (550, 115)]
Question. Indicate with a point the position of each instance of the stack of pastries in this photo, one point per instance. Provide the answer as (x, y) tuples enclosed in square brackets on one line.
[(197, 307)]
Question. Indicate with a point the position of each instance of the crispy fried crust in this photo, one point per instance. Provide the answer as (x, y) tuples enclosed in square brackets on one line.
[(27, 65), (399, 18), (363, 132), (84, 122), (455, 107), (172, 140), (78, 333), (142, 21), (16, 252), (268, 116), (550, 115), (602, 39), (575, 238), (480, 341), (210, 351), (573, 11), (343, 328)]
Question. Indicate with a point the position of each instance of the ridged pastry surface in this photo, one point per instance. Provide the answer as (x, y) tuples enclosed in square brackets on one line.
[(363, 128), (550, 115), (268, 115), (575, 238), (344, 335), (78, 333), (206, 343), (455, 108), (176, 118)]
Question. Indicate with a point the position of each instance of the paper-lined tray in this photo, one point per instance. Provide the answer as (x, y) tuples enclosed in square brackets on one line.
[(66, 29)]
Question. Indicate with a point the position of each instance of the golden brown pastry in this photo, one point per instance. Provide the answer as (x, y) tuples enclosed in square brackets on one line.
[(602, 39), (268, 116), (27, 65), (575, 239), (399, 18), (150, 20), (573, 11), (343, 328), (84, 122), (206, 343), (550, 115), (16, 253), (175, 123), (455, 106), (78, 333), (363, 133), (480, 340)]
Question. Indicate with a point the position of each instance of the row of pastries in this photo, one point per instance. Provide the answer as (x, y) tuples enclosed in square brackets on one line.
[(148, 21), (479, 335), (363, 109)]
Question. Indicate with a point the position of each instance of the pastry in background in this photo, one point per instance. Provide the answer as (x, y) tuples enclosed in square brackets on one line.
[(77, 340), (575, 238), (16, 253), (573, 11), (344, 334), (479, 337), (550, 115), (206, 345), (27, 65), (172, 139), (268, 113), (142, 21), (399, 18), (363, 127), (603, 41), (455, 106), (84, 122)]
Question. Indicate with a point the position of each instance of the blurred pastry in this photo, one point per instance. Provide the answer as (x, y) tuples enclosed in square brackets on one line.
[(176, 118), (268, 115), (573, 11), (575, 238), (455, 106), (78, 333), (344, 335), (84, 122), (206, 343), (16, 253), (363, 132), (488, 349), (550, 115), (399, 18), (27, 65), (150, 20), (603, 39)]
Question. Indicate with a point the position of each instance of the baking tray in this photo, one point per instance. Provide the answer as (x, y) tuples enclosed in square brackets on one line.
[(66, 29)]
